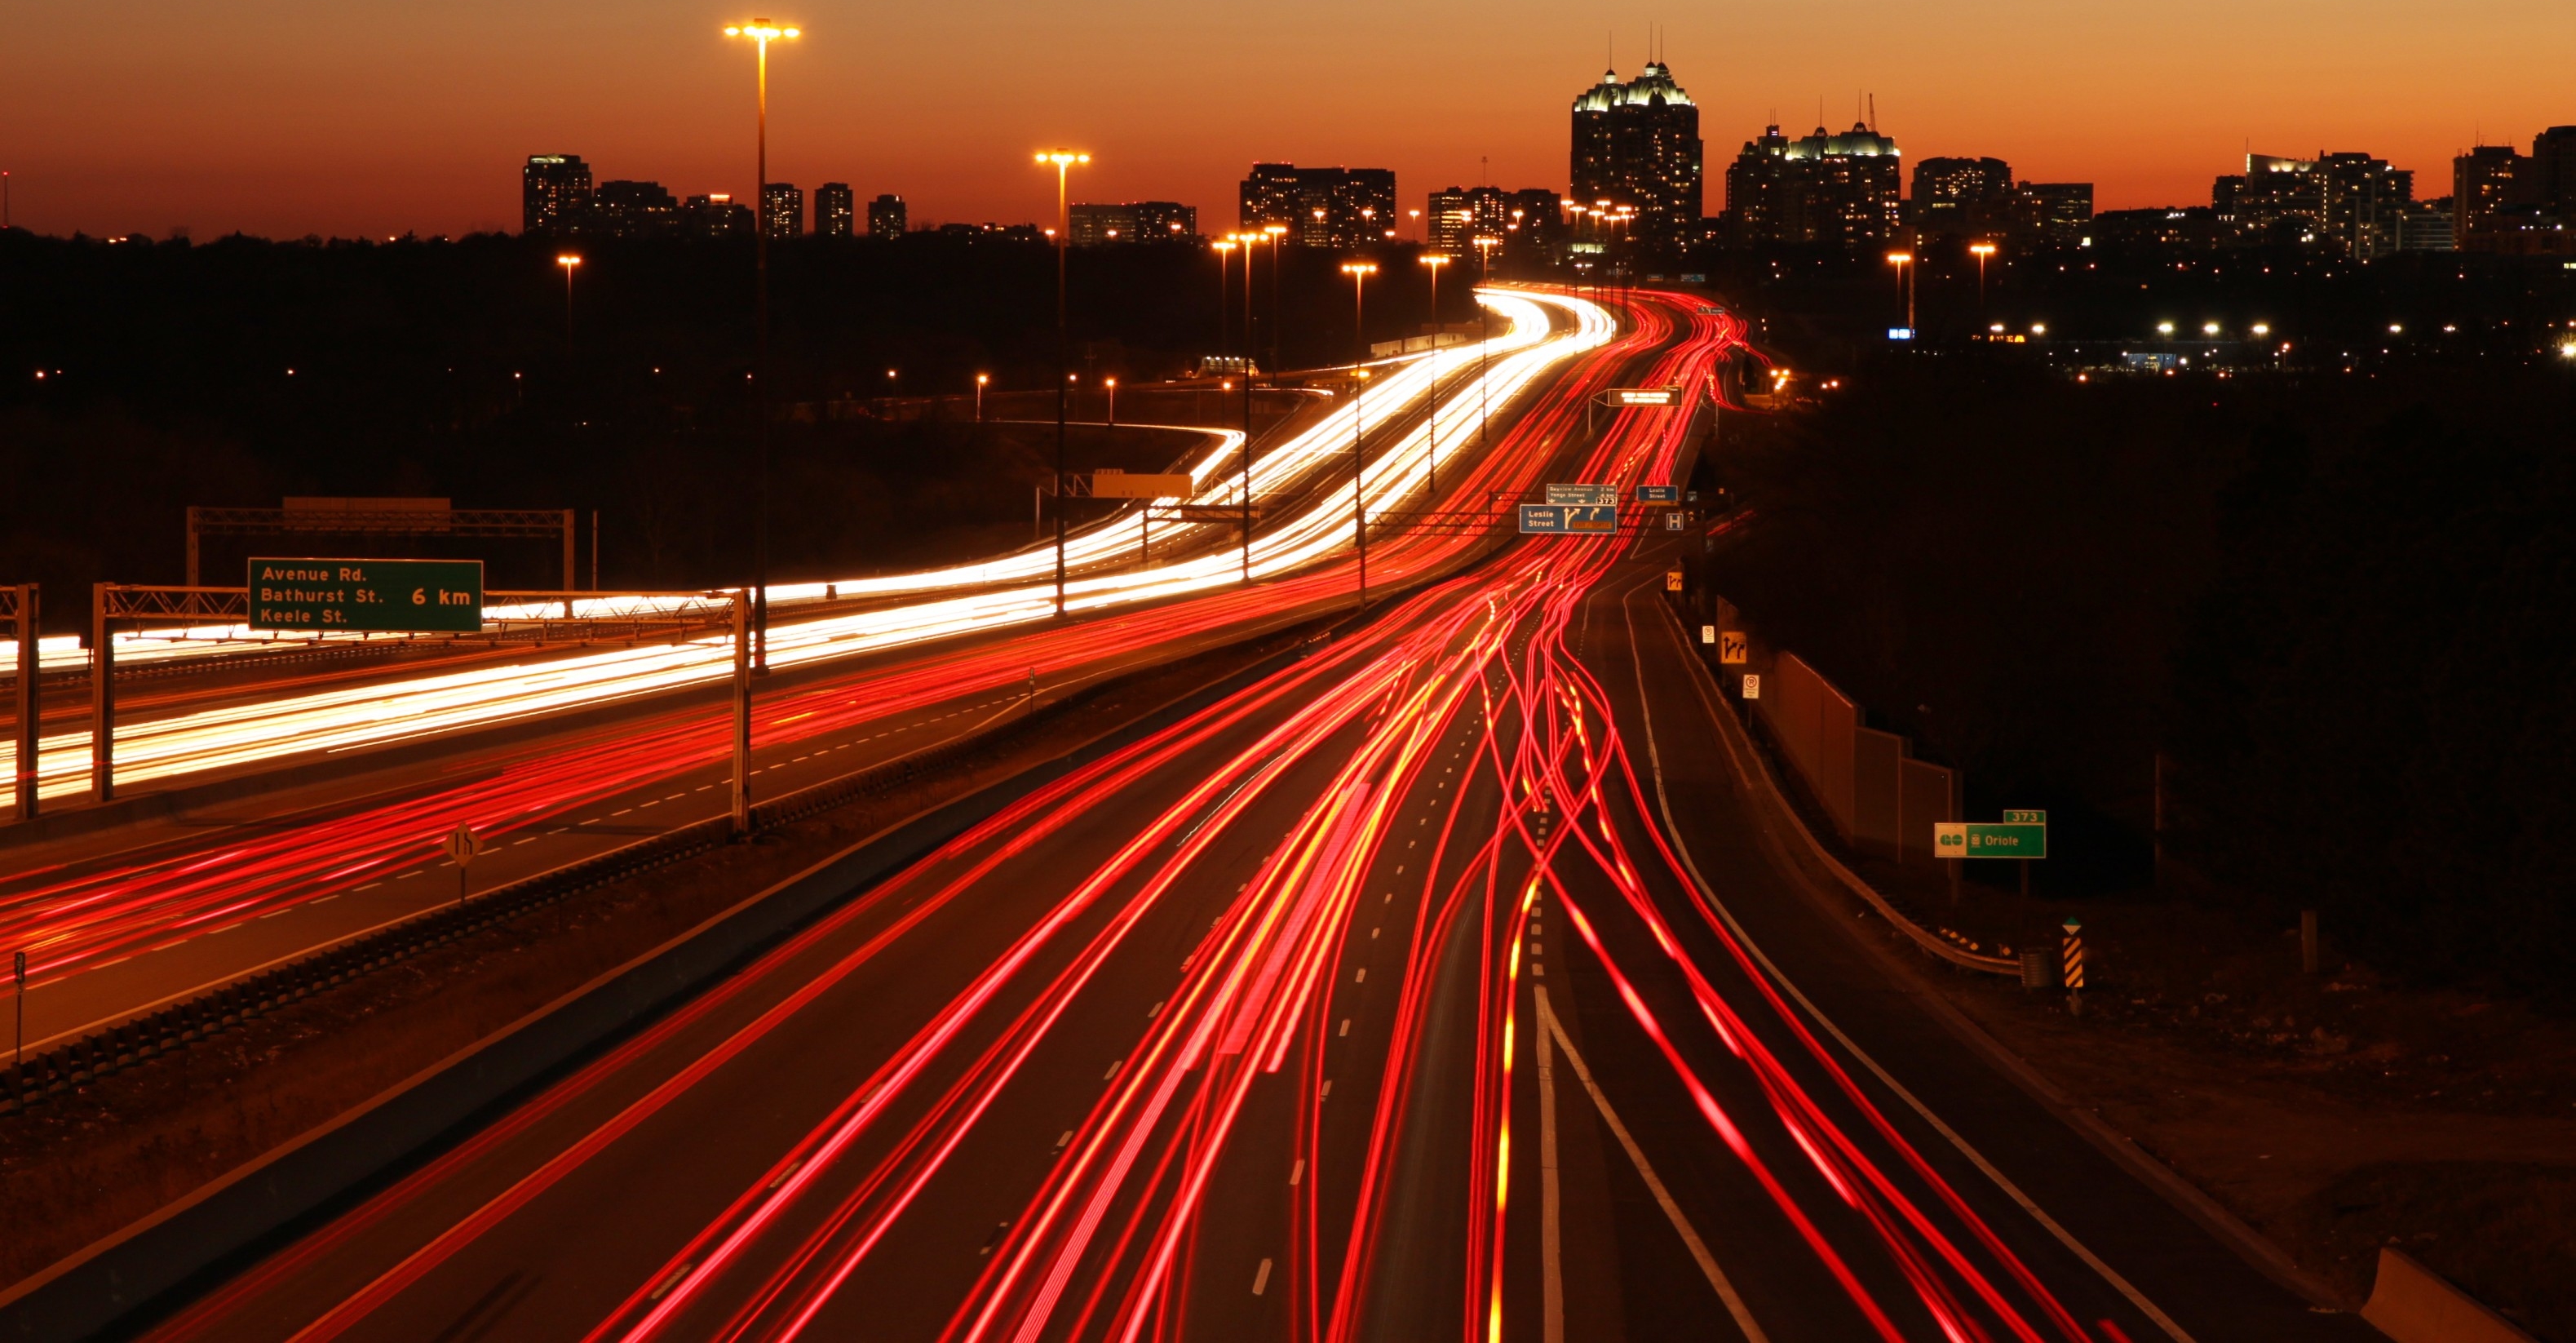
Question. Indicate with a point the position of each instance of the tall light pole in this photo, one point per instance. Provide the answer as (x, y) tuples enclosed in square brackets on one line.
[(1359, 271), (980, 380), (1269, 235), (1278, 236), (1485, 243), (1434, 260), (1224, 249), (1981, 250), (568, 261), (761, 32), (1062, 160), (1904, 261)]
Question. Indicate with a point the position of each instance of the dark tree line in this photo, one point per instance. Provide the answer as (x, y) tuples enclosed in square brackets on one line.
[(2337, 607)]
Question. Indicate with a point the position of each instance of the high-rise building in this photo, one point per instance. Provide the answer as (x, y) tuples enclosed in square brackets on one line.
[(886, 216), (554, 189), (1321, 207), (1094, 225), (716, 215), (629, 210), (2348, 201), (1535, 233), (782, 209), (2048, 214), (2425, 226), (1825, 189), (2553, 171), (2485, 182), (1636, 144), (1460, 215), (834, 209), (1955, 197)]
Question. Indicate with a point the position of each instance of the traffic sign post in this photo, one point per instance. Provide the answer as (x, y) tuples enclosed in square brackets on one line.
[(1594, 496), (461, 849), (1752, 686), (388, 596), (1672, 580), (2074, 953), (1732, 646), (1659, 494)]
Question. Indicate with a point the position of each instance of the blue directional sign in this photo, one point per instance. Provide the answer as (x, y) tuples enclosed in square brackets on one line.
[(1659, 494), (1561, 519)]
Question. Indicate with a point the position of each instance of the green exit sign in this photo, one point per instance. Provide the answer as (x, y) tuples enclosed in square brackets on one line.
[(2025, 817), (1978, 840), (388, 596)]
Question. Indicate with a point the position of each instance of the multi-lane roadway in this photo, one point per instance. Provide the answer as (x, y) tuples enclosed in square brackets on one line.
[(1460, 981)]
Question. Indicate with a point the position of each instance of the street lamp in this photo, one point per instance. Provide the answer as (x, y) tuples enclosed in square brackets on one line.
[(980, 380), (1062, 160), (1981, 250), (1112, 385), (1359, 271), (1904, 261), (761, 32), (1224, 249), (1278, 236), (1434, 260), (1270, 234), (1485, 244), (567, 261)]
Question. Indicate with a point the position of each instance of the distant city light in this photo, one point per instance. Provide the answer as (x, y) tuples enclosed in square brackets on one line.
[(2396, 330), (2164, 328), (2039, 328), (2262, 328), (2209, 328)]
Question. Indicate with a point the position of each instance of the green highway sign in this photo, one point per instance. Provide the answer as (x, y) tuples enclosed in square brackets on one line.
[(393, 596), (1975, 840), (2012, 817)]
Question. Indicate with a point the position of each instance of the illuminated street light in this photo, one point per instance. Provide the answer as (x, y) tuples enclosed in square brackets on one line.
[(2209, 328), (1062, 160), (980, 380), (1904, 263), (2164, 328), (1359, 271), (568, 261), (762, 32), (1981, 250), (2262, 328), (1431, 480)]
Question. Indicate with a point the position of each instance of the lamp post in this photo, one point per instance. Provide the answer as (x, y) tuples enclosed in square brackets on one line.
[(1062, 160), (1359, 271), (1278, 236), (1484, 349), (1112, 385), (1431, 486), (1981, 250), (568, 261), (761, 32), (980, 380), (1224, 249), (1269, 234), (1903, 261)]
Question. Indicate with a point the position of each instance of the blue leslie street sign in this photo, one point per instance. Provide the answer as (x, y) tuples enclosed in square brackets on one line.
[(1659, 494), (1561, 519)]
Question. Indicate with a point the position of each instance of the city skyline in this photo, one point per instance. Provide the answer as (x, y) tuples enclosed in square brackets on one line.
[(289, 119)]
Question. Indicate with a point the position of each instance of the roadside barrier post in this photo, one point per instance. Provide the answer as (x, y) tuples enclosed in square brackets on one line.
[(2074, 966), (460, 849), (31, 707)]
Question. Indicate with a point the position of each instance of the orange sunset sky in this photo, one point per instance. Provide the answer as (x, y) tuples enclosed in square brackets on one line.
[(285, 117)]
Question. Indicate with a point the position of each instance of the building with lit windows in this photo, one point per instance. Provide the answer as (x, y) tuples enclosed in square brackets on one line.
[(782, 208), (2348, 202), (1958, 197), (629, 210), (1095, 225), (1320, 207), (1824, 189), (835, 210), (554, 190), (716, 215), (1636, 145), (887, 217)]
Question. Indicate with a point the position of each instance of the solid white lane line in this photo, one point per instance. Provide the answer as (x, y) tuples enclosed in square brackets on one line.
[(1550, 1026)]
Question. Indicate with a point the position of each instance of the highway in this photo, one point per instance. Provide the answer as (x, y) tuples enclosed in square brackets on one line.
[(119, 923), (1455, 982)]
